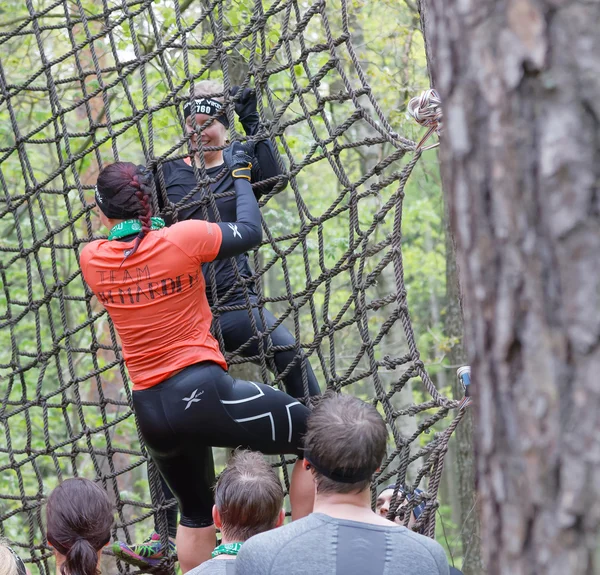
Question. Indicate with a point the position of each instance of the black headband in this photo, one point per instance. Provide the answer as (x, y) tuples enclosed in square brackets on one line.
[(113, 212), (208, 106), (340, 475), (109, 209)]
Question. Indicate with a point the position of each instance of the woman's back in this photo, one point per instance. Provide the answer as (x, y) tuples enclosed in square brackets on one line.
[(156, 297)]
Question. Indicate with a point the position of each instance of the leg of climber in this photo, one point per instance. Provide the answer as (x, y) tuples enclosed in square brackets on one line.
[(148, 554), (236, 328), (203, 406)]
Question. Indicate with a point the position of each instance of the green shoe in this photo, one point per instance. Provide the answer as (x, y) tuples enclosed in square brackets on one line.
[(143, 555)]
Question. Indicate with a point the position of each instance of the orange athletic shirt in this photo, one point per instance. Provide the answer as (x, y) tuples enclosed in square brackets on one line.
[(157, 299)]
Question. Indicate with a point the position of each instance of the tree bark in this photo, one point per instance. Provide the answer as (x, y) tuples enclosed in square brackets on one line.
[(462, 452), (464, 437), (519, 82)]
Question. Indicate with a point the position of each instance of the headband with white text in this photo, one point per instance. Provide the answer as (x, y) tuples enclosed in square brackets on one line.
[(207, 106)]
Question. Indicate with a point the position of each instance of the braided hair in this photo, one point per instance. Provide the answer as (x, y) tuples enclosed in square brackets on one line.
[(123, 192)]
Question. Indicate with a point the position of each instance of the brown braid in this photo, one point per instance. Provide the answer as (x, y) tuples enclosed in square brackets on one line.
[(140, 183)]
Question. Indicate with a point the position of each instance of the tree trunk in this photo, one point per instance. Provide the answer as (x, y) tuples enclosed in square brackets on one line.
[(519, 82), (463, 452), (463, 436)]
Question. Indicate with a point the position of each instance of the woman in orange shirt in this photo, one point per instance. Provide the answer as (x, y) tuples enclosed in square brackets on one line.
[(149, 279)]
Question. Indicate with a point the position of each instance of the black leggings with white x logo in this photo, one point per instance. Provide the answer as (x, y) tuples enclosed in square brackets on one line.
[(202, 407)]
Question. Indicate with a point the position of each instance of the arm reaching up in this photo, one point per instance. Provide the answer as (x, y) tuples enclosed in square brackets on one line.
[(265, 167), (246, 232)]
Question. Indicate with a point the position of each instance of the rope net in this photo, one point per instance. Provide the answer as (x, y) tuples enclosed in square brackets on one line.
[(106, 80)]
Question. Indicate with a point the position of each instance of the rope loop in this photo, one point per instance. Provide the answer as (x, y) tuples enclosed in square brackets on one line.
[(426, 110)]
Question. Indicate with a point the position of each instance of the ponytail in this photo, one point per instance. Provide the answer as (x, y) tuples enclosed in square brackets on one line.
[(81, 559), (79, 517)]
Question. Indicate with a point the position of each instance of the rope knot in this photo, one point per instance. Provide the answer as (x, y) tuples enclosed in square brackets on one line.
[(426, 110)]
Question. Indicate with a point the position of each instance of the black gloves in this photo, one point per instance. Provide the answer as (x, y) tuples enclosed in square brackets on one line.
[(238, 158), (245, 108)]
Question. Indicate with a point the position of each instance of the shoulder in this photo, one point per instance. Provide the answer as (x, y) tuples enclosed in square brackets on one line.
[(173, 169), (89, 251), (293, 529), (171, 165), (264, 547), (192, 237), (424, 546), (211, 567), (187, 228)]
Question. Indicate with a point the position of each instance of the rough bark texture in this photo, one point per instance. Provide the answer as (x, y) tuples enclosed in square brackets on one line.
[(461, 448), (520, 86), (464, 434)]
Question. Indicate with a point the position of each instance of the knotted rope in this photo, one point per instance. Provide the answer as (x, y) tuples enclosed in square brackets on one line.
[(426, 110)]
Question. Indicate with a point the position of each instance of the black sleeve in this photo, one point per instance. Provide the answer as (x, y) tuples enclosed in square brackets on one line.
[(246, 232), (265, 167)]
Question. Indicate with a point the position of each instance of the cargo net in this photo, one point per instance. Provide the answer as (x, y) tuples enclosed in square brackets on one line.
[(86, 83)]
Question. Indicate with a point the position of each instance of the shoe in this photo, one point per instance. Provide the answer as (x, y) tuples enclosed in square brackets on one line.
[(144, 555)]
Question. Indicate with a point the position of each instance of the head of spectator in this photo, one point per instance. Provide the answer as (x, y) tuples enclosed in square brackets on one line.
[(384, 503), (248, 498), (10, 562), (79, 517), (344, 445)]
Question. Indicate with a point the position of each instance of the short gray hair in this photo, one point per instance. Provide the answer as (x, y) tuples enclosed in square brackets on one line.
[(248, 496)]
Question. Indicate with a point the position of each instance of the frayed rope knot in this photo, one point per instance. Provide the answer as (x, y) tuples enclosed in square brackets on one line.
[(426, 110)]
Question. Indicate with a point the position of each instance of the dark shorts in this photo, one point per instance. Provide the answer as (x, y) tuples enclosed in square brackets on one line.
[(201, 407)]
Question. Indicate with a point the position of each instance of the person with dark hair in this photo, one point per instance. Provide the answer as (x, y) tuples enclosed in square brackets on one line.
[(248, 501), (79, 517), (384, 501), (384, 504), (10, 562), (228, 279), (344, 445), (148, 278)]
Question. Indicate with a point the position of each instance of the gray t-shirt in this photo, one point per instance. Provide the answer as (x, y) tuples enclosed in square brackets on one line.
[(215, 567), (323, 545)]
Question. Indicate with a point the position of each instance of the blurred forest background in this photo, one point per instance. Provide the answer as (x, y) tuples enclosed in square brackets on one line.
[(75, 97)]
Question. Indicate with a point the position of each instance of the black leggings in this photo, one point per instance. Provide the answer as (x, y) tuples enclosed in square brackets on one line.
[(201, 407), (236, 330)]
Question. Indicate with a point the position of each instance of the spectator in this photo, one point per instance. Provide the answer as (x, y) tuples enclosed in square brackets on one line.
[(384, 503), (79, 517), (10, 562), (345, 444), (383, 507), (248, 501)]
